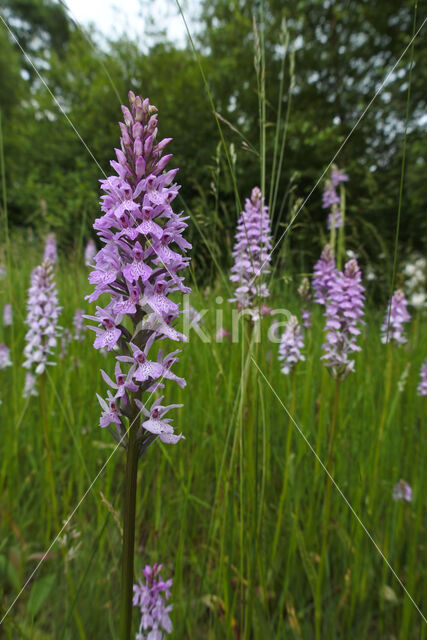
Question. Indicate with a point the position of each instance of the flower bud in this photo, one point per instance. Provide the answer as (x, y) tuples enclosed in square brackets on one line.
[(163, 162), (137, 147), (125, 135), (127, 116), (139, 114), (163, 143), (140, 166), (152, 124), (148, 145), (137, 130)]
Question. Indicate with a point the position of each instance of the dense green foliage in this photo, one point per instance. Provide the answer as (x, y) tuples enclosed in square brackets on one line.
[(341, 55)]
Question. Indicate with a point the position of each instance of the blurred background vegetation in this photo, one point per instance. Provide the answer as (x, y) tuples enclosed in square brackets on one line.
[(324, 62)]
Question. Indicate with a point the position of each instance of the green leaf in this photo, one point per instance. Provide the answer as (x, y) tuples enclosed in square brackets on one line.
[(39, 593)]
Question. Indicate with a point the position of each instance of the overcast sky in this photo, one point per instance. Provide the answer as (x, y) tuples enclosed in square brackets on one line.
[(133, 17)]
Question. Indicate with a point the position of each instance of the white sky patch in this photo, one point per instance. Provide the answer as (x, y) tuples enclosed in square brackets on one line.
[(135, 18)]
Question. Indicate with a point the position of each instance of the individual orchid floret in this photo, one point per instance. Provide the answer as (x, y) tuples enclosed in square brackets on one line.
[(7, 315), (402, 491), (50, 249), (122, 384), (397, 315), (90, 252), (344, 313), (422, 386), (151, 596), (107, 334), (42, 319), (5, 360), (324, 274), (290, 346), (156, 424), (251, 254), (138, 268), (110, 414)]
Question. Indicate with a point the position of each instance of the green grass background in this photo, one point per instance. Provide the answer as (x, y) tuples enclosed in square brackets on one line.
[(245, 562)]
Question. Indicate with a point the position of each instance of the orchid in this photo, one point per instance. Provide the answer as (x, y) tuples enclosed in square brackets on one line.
[(251, 255)]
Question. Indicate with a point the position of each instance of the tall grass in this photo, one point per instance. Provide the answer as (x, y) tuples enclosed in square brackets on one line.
[(245, 561)]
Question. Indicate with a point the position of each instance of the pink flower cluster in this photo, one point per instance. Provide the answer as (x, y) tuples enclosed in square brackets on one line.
[(138, 268), (251, 254)]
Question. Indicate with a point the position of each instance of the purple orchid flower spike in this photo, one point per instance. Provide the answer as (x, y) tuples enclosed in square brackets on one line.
[(291, 343), (251, 254), (396, 316), (50, 249), (138, 267), (43, 312), (344, 313), (323, 275)]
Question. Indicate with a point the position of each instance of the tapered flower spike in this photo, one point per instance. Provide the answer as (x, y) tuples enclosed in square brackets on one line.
[(422, 386), (324, 274), (138, 270), (397, 315), (50, 249), (290, 346), (344, 312), (143, 252), (251, 255), (43, 311)]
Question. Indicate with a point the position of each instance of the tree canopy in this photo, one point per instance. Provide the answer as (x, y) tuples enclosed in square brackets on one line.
[(320, 62)]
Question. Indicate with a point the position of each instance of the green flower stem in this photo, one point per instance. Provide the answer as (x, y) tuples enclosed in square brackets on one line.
[(286, 474), (49, 468), (341, 232), (326, 513), (129, 532)]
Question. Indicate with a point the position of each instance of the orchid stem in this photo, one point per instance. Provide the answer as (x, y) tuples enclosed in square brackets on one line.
[(129, 532)]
